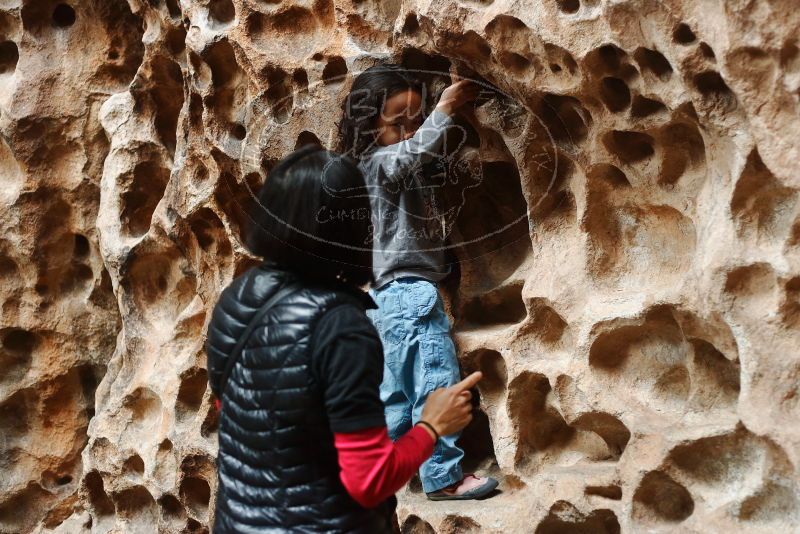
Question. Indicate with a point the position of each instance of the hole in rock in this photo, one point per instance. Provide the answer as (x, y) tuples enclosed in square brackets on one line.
[(568, 6), (415, 525), (485, 203), (683, 149), (236, 202), (210, 233), (629, 147), (790, 57), (683, 34), (176, 40), (210, 423), (476, 442), (514, 62), (727, 459), (471, 45), (606, 59), (116, 74), (306, 138), (98, 499), (642, 107), (790, 309), (565, 518), (238, 131), (612, 492), (222, 11), (63, 16), (433, 70), (160, 281), (457, 524), (300, 79), (606, 176), (707, 51), (564, 117), (8, 267), (90, 377), (166, 91), (552, 202), (194, 527), (560, 59), (16, 356), (658, 333), (716, 379), (191, 392), (760, 203), (291, 30), (493, 366), (540, 426), (171, 507), (608, 427), (656, 364), (335, 70), (776, 500), (545, 323), (145, 190), (750, 281), (9, 56), (143, 408), (411, 24), (672, 384), (81, 247), (136, 504), (196, 493), (15, 416), (134, 464), (279, 94), (20, 342), (711, 85), (615, 94), (510, 27), (503, 306), (174, 8), (20, 509), (653, 61), (660, 498)]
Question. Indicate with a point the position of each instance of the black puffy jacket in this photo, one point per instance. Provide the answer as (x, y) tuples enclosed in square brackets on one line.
[(277, 464)]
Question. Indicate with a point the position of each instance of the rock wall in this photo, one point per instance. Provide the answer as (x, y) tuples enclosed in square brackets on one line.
[(639, 330)]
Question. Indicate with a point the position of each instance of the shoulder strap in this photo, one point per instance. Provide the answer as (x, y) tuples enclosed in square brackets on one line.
[(237, 350)]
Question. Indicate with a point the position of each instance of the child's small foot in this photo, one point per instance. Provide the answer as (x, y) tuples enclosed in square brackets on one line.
[(470, 487)]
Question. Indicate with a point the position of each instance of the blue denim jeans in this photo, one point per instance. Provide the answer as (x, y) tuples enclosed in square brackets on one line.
[(419, 357)]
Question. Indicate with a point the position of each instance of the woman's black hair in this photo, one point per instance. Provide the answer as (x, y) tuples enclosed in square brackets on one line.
[(313, 218), (365, 101)]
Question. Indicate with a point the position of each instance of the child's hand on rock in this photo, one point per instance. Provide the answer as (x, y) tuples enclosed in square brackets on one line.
[(456, 95)]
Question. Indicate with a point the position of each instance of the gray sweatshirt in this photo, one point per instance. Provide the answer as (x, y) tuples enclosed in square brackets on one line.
[(408, 227)]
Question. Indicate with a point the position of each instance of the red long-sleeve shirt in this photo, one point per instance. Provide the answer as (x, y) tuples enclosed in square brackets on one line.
[(373, 468)]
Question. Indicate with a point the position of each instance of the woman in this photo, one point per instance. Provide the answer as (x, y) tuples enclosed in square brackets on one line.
[(303, 444)]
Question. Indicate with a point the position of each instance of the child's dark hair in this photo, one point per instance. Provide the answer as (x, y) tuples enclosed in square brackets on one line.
[(365, 101), (313, 218)]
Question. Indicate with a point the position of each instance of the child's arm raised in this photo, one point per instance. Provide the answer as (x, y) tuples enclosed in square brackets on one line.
[(395, 161)]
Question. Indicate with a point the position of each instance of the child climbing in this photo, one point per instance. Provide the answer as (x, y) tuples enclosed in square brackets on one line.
[(382, 127)]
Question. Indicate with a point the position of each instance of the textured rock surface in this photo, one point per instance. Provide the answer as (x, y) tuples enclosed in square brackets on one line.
[(640, 345)]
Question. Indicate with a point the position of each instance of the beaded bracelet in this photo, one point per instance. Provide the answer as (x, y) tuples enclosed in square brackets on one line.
[(435, 433)]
